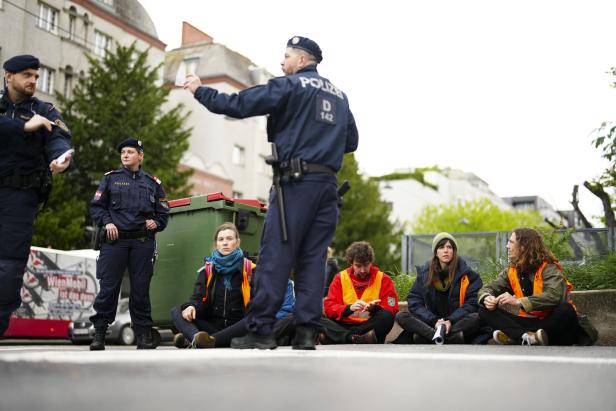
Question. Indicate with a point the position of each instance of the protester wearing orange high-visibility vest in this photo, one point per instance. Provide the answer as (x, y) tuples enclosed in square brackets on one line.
[(215, 312), (361, 302), (529, 302), (445, 292)]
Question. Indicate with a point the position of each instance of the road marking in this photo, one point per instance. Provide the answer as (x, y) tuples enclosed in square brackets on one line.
[(142, 356)]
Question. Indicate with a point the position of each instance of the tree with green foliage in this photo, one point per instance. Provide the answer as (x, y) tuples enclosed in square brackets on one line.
[(121, 96), (472, 216), (366, 217), (604, 187)]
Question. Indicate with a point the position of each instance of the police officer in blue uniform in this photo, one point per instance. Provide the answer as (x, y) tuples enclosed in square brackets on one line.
[(34, 139), (131, 206), (311, 125)]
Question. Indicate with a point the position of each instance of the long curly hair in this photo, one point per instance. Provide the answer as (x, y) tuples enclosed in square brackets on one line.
[(532, 251)]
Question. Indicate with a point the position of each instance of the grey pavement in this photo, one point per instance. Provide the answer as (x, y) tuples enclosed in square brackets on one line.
[(378, 377)]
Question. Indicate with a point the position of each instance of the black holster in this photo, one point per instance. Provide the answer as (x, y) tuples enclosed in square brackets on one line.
[(99, 236)]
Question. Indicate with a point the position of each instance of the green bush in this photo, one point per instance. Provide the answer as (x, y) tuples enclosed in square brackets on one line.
[(403, 283), (595, 273)]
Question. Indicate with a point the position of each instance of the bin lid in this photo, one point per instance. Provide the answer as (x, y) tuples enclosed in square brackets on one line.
[(214, 198)]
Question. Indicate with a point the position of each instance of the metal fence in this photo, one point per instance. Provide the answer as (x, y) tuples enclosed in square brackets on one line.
[(484, 250)]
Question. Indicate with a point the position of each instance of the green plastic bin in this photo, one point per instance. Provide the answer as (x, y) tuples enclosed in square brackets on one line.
[(189, 237)]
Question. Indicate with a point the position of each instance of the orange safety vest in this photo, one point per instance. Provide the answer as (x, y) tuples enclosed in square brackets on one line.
[(464, 282), (247, 279), (349, 296), (514, 282)]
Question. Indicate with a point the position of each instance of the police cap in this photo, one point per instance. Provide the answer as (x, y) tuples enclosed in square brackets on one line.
[(304, 43), (20, 63), (130, 142)]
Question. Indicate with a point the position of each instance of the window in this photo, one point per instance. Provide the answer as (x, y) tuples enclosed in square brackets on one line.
[(237, 157), (48, 18), (68, 82), (102, 42), (238, 194), (107, 2), (45, 81), (187, 66), (72, 22)]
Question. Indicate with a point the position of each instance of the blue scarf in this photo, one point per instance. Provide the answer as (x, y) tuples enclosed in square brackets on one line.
[(227, 265)]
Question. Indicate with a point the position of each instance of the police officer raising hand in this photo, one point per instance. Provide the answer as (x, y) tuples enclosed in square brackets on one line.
[(311, 125)]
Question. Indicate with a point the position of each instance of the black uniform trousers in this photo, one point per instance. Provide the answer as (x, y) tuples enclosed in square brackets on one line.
[(339, 332), (137, 255), (17, 214), (469, 325), (561, 324), (311, 217), (223, 334)]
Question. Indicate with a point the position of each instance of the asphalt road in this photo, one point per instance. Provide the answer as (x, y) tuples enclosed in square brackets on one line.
[(376, 377)]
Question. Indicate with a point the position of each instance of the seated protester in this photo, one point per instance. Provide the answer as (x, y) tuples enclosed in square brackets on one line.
[(361, 303), (215, 313), (331, 269), (445, 292), (529, 301)]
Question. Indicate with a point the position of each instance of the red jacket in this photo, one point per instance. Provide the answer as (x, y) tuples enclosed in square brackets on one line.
[(334, 305)]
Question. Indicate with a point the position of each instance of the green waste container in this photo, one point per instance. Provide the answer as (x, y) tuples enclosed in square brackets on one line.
[(188, 238)]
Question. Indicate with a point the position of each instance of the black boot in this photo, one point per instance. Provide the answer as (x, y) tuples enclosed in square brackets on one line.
[(304, 338), (99, 339), (254, 340), (144, 340)]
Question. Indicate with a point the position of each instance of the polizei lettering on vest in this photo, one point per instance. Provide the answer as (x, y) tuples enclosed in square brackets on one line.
[(318, 83)]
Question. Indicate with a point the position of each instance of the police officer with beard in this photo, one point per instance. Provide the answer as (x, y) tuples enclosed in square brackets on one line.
[(311, 125), (131, 206), (34, 139)]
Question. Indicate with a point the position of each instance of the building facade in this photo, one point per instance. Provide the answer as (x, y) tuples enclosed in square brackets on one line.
[(61, 32), (227, 155)]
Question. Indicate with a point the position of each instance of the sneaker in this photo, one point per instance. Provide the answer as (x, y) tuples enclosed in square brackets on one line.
[(254, 340), (539, 337), (203, 340), (367, 338), (179, 341), (501, 338)]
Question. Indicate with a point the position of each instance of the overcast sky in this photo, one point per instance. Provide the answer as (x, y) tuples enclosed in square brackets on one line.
[(508, 90)]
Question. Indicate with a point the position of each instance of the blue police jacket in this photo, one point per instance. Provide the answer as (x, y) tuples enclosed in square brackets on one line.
[(309, 117), (28, 152), (126, 199)]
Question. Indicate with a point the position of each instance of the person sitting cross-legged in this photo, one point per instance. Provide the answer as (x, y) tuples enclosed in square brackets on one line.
[(444, 293), (529, 302), (215, 312), (361, 304)]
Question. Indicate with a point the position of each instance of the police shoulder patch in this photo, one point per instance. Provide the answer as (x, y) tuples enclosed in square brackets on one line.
[(156, 179), (61, 124)]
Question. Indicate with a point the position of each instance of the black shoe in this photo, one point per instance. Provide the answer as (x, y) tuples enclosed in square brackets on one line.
[(455, 338), (254, 340), (366, 338), (145, 340), (304, 338), (179, 341), (203, 340), (98, 344)]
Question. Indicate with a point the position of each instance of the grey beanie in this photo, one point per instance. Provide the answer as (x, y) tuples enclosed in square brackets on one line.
[(442, 236)]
